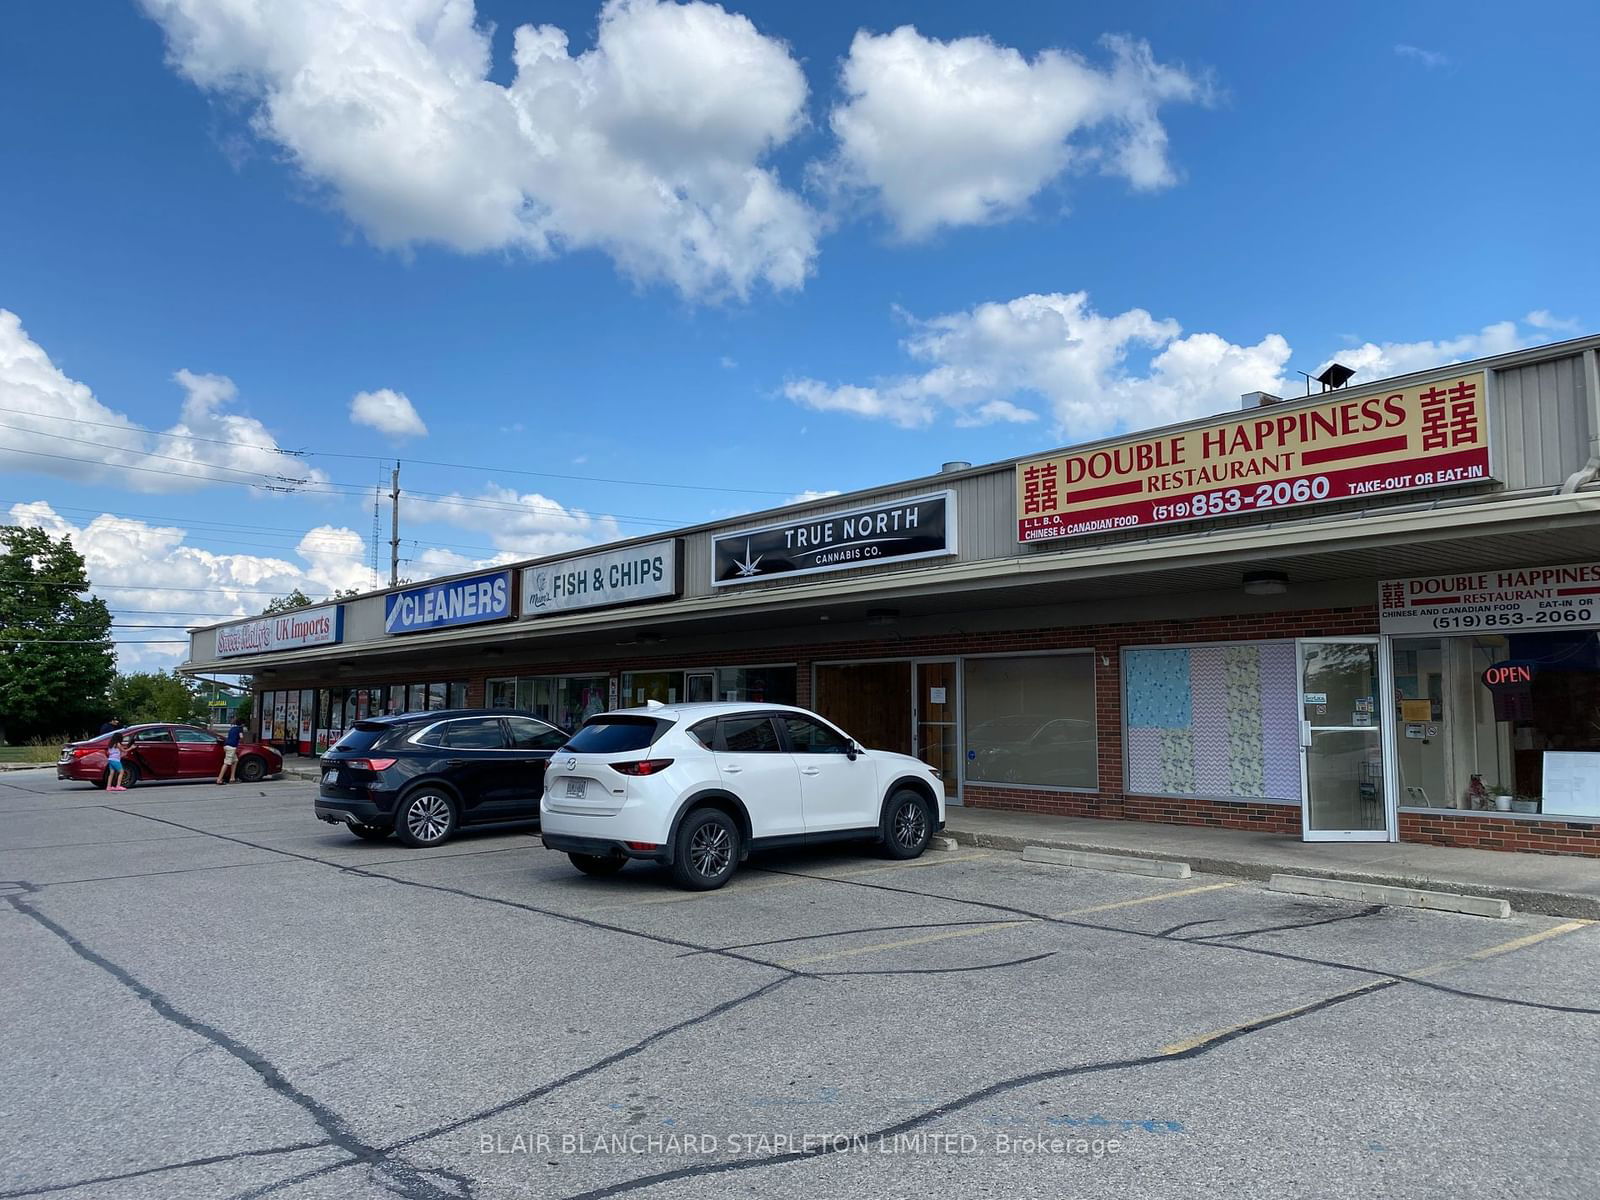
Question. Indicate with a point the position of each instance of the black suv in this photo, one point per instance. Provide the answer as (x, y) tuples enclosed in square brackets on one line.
[(422, 775)]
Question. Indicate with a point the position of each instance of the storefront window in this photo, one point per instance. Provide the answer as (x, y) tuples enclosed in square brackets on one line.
[(759, 685), (579, 697), (457, 695), (1213, 720), (1031, 720), (664, 687), (438, 696), (1500, 722), (501, 693)]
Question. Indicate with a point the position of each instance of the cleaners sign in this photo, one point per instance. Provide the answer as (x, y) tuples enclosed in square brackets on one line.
[(897, 531), (648, 572), (308, 627), (469, 601), (1527, 598), (1427, 436)]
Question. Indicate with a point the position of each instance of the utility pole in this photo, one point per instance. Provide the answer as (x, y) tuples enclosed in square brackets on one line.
[(394, 527)]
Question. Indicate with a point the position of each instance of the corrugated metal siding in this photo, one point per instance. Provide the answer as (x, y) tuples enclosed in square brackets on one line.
[(1540, 422)]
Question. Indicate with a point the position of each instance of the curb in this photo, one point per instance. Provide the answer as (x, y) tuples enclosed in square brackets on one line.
[(1529, 900), (49, 766), (1161, 868), (1376, 893)]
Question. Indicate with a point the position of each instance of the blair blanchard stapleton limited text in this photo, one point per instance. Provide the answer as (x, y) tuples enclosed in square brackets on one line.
[(709, 1145)]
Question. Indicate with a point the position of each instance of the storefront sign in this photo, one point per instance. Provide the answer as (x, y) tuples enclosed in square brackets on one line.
[(625, 576), (1375, 444), (469, 601), (1565, 597), (308, 627), (898, 531), (1510, 674)]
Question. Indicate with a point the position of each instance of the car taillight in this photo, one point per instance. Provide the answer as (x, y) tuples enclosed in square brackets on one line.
[(372, 764), (647, 766), (80, 751)]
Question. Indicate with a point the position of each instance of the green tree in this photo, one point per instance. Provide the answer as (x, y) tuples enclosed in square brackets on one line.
[(157, 696), (56, 655), (295, 599)]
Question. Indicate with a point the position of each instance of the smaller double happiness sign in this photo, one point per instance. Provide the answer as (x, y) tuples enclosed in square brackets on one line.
[(1401, 440)]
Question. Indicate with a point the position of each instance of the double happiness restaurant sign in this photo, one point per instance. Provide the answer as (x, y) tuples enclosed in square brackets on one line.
[(1430, 436), (1523, 598), (308, 627)]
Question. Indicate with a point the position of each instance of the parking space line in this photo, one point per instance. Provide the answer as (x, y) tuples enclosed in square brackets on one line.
[(916, 941), (932, 860), (1097, 908), (975, 930), (1495, 951), (688, 897)]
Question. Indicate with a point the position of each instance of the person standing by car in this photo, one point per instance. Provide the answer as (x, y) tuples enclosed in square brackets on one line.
[(114, 763), (230, 751), (112, 725)]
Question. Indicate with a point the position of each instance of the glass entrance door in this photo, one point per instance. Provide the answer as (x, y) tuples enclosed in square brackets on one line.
[(934, 719), (1343, 736)]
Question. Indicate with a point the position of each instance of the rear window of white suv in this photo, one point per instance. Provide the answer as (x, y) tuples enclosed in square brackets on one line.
[(614, 735)]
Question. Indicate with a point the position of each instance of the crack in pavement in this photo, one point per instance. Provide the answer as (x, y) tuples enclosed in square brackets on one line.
[(1260, 951), (210, 1160), (974, 1097), (410, 1182), (1371, 910), (812, 937)]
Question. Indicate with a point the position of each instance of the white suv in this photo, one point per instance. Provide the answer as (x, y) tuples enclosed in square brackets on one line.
[(697, 786)]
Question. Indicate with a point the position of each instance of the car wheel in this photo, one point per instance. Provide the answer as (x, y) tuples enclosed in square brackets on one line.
[(105, 778), (130, 774), (598, 864), (707, 850), (907, 825), (368, 833), (427, 818), (250, 770)]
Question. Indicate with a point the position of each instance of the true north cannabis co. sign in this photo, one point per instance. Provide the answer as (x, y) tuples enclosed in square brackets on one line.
[(895, 531)]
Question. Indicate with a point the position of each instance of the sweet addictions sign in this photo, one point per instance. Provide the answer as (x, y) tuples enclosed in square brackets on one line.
[(1428, 436)]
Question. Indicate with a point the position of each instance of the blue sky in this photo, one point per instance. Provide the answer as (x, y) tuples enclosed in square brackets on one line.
[(758, 251)]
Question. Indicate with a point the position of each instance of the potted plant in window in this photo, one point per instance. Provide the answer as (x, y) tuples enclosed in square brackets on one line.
[(1502, 798), (1525, 804)]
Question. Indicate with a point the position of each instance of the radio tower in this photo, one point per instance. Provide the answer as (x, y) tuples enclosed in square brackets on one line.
[(377, 524)]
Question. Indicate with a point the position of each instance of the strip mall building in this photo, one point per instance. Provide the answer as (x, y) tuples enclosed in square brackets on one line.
[(1368, 614)]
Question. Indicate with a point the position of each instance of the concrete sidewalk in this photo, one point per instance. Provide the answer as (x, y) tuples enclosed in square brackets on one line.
[(1540, 883)]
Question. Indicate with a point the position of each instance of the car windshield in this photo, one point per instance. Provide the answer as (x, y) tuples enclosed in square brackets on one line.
[(610, 735)]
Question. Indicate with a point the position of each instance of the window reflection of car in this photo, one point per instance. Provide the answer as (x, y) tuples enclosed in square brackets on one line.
[(1030, 749)]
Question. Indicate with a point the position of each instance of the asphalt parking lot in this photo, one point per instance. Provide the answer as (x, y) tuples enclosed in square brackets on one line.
[(209, 993)]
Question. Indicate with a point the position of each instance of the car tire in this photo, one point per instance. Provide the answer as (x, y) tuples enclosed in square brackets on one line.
[(598, 865), (250, 769), (105, 778), (907, 825), (369, 833), (130, 774), (425, 817), (706, 851)]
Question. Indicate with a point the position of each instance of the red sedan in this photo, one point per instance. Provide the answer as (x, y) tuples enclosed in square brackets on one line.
[(151, 752)]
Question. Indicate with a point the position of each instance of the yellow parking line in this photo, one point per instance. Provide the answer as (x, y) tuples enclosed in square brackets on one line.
[(931, 860), (687, 897), (1495, 951), (1192, 891), (916, 941)]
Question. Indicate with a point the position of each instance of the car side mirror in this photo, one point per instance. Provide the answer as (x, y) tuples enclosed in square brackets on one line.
[(853, 753)]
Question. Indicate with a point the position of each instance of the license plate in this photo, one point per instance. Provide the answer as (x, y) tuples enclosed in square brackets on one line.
[(576, 788), (330, 777)]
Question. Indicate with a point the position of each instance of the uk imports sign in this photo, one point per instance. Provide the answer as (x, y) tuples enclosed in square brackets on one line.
[(897, 531), (1347, 446), (470, 601), (1525, 598), (308, 627), (627, 576)]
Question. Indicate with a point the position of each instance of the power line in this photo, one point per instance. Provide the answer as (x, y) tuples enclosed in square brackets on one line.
[(425, 462)]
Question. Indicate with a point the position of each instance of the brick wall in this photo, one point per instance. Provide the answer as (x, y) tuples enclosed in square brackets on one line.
[(1485, 832)]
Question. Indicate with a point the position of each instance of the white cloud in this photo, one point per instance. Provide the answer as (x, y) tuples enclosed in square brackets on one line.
[(520, 525), (133, 564), (967, 132), (1372, 360), (388, 412), (98, 444), (811, 494), (1428, 58), (1101, 375), (649, 146)]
